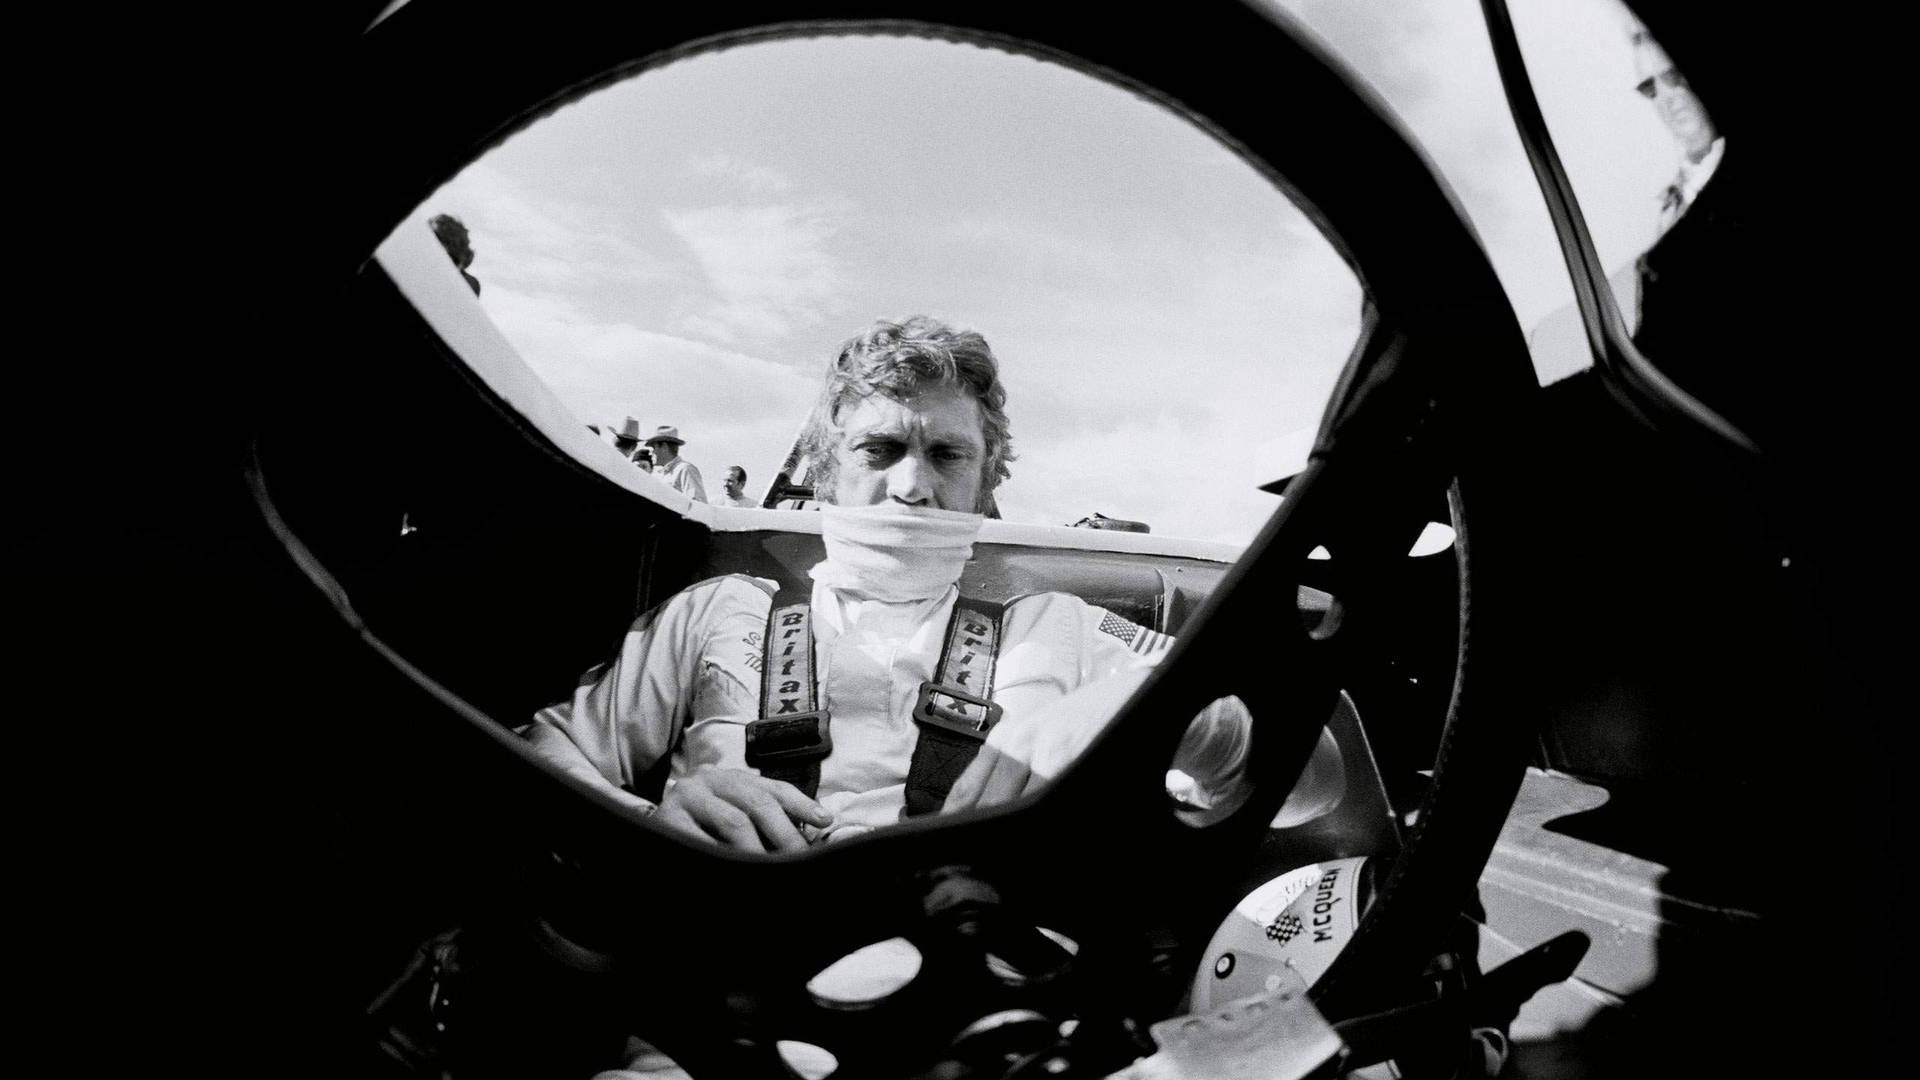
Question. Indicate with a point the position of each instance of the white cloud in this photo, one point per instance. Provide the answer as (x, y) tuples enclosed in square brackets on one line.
[(733, 408), (1430, 60), (574, 290), (768, 266), (1154, 469), (535, 242), (1118, 408), (738, 174), (1169, 329)]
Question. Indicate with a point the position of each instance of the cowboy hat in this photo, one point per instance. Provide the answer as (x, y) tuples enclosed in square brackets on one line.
[(630, 429), (666, 433)]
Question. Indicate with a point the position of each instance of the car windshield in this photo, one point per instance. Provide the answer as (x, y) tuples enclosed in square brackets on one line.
[(689, 247), (1634, 144)]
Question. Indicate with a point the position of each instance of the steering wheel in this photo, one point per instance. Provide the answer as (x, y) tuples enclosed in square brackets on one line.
[(708, 953)]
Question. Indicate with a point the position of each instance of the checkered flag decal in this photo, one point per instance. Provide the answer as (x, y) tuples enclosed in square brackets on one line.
[(1137, 637), (1285, 928)]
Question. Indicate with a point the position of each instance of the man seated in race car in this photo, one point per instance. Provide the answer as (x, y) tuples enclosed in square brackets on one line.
[(906, 445)]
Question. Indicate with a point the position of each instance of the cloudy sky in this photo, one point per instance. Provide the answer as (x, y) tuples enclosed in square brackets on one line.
[(691, 246)]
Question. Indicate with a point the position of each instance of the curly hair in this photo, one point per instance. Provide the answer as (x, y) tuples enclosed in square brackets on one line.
[(899, 360)]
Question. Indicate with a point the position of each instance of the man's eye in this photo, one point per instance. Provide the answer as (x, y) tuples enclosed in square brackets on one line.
[(876, 452)]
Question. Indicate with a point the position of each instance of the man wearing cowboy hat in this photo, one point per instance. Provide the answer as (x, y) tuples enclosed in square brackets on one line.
[(627, 439), (668, 465)]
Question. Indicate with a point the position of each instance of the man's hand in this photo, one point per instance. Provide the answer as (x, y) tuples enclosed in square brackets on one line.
[(740, 808), (999, 773), (1023, 753)]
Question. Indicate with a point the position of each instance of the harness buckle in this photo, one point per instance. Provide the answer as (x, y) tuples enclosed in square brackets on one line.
[(928, 711), (781, 739)]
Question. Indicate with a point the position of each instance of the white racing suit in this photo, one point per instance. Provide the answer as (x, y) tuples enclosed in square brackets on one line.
[(687, 682)]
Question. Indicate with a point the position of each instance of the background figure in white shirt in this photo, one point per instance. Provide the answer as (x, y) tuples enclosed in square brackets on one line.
[(1679, 109), (733, 489), (668, 465)]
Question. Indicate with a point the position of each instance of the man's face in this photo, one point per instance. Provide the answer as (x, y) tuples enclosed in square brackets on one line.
[(922, 451), (733, 483), (663, 452), (1674, 100)]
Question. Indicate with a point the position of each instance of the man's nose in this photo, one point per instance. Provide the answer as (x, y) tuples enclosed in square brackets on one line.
[(909, 481)]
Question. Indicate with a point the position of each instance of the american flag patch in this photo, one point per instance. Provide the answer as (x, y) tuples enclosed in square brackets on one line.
[(1137, 637)]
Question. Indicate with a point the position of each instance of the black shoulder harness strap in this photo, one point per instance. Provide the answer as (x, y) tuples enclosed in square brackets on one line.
[(955, 713), (793, 734)]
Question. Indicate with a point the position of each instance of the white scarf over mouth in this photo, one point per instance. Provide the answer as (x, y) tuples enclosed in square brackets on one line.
[(894, 552)]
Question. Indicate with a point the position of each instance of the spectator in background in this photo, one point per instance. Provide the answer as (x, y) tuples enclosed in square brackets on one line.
[(453, 236), (1683, 114), (668, 465), (643, 457), (627, 440), (1559, 343), (734, 490)]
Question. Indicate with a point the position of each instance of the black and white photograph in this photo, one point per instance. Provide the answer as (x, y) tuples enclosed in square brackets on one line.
[(919, 540)]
